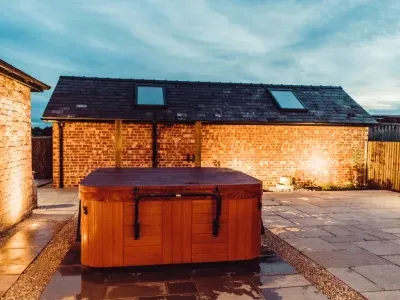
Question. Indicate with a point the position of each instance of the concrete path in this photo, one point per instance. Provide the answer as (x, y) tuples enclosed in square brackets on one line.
[(23, 243), (355, 235)]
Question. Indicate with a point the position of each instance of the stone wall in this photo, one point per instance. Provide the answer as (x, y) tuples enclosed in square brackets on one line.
[(317, 154), (15, 152)]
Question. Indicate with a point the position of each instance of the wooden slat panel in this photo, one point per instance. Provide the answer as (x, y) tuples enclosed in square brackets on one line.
[(197, 258), (143, 251), (210, 248), (118, 234), (202, 228), (177, 238), (98, 232), (232, 230), (255, 232), (144, 220), (152, 240), (145, 208), (242, 234), (208, 207), (142, 255), (107, 234), (85, 235), (207, 238), (167, 232), (145, 230), (187, 206), (208, 218)]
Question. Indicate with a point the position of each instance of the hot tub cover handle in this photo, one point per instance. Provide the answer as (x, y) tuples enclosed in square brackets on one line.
[(216, 195)]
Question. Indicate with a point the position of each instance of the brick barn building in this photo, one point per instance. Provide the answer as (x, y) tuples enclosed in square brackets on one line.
[(315, 134), (15, 143)]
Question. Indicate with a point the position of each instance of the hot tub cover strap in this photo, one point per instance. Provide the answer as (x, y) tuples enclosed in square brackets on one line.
[(215, 195)]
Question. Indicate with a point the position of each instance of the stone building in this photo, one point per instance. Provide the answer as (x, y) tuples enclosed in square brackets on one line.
[(314, 134), (15, 143)]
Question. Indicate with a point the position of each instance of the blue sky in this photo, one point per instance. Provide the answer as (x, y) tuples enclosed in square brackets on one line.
[(352, 43)]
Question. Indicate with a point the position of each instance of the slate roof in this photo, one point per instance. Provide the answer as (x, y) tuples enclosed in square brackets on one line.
[(12, 72), (109, 99)]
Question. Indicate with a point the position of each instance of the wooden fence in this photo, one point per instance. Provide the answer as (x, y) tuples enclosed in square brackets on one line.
[(42, 157), (385, 132), (383, 165)]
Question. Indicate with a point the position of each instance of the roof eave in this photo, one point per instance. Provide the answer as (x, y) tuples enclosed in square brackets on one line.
[(226, 122), (20, 76)]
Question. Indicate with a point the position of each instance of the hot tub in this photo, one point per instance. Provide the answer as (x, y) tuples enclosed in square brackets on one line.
[(146, 216)]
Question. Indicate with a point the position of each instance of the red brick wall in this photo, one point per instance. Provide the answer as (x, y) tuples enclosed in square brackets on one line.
[(15, 152), (87, 146), (136, 145), (174, 142), (322, 154)]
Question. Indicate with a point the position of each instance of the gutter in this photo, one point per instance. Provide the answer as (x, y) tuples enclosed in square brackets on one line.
[(213, 122)]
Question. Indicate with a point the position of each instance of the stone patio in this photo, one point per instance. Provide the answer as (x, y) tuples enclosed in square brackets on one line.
[(266, 278), (353, 234), (20, 246)]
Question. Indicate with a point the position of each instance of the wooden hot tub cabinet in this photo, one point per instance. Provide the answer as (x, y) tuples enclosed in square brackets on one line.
[(183, 215)]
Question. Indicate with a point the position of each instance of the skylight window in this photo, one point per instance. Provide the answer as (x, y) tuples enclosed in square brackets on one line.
[(286, 99), (150, 95)]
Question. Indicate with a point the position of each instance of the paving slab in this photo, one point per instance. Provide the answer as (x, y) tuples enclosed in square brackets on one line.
[(139, 289), (283, 233), (392, 230), (393, 258), (309, 208), (63, 283), (350, 238), (316, 221), (349, 247), (385, 223), (385, 276), (308, 231), (335, 209), (355, 280), (395, 241), (311, 244), (279, 281), (276, 221), (352, 216), (337, 230), (227, 288), (345, 258), (295, 213), (381, 213), (384, 295), (293, 293), (379, 247)]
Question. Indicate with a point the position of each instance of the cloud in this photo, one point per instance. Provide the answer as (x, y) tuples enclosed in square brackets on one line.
[(352, 43)]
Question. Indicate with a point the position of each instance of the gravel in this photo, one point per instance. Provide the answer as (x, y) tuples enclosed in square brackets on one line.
[(331, 286)]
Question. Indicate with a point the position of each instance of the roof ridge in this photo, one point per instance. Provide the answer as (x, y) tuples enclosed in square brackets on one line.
[(198, 82)]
